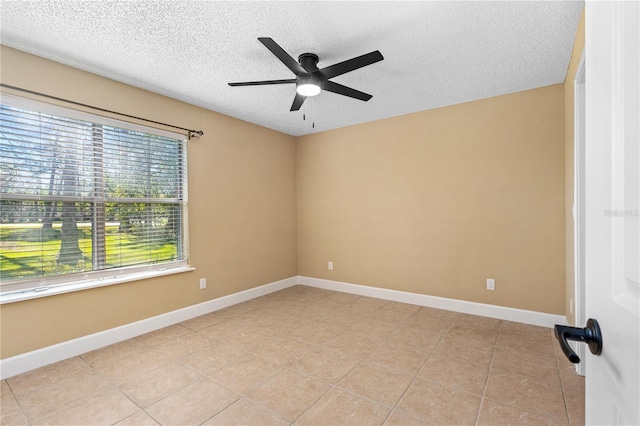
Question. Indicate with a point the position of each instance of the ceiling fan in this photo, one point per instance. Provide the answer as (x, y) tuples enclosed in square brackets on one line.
[(310, 79)]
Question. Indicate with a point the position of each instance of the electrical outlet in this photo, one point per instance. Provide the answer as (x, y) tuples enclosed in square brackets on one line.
[(570, 305), (330, 265), (491, 284), (203, 283)]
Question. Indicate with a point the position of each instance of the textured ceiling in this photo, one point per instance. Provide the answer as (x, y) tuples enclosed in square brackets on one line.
[(435, 53)]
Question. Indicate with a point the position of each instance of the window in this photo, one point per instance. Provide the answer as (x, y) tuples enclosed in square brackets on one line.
[(84, 197)]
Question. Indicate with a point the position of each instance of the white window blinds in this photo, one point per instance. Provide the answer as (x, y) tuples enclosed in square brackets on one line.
[(82, 194)]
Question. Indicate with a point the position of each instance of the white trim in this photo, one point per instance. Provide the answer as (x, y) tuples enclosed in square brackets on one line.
[(579, 126), (100, 279), (39, 358), (493, 311)]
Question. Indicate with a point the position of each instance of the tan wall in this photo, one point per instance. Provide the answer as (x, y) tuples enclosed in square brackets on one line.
[(578, 47), (438, 201), (241, 212), (432, 203)]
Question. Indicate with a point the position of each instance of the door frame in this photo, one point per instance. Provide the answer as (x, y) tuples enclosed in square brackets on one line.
[(579, 126)]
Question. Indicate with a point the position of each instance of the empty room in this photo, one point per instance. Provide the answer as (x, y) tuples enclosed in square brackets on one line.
[(256, 213)]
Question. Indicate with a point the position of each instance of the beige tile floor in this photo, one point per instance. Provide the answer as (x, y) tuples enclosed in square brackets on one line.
[(310, 356)]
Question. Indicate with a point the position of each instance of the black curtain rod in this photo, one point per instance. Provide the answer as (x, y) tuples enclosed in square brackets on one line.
[(191, 133)]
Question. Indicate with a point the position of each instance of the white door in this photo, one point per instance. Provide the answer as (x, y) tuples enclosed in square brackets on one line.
[(612, 194)]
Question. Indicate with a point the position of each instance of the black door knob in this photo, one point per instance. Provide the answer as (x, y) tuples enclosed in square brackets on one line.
[(590, 335)]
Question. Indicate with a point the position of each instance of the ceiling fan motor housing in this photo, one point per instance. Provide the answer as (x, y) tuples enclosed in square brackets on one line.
[(309, 61)]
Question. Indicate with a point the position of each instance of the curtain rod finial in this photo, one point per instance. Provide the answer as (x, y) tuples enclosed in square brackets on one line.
[(195, 134)]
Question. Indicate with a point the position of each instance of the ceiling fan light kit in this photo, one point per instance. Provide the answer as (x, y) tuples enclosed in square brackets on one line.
[(308, 86), (311, 80)]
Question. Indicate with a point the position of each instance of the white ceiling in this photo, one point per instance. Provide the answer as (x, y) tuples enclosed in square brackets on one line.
[(435, 53)]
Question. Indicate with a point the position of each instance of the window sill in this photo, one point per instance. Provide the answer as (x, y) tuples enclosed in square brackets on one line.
[(20, 296)]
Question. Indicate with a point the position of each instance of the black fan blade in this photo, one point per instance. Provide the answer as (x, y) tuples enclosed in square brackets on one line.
[(261, 83), (351, 64), (331, 86), (291, 63), (297, 102)]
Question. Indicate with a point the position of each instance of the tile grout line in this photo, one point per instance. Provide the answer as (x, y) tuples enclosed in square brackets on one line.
[(486, 381), (17, 402), (241, 395), (376, 348), (564, 393), (172, 361), (535, 412), (315, 346), (415, 377), (363, 359), (271, 379), (333, 386), (178, 361), (110, 385)]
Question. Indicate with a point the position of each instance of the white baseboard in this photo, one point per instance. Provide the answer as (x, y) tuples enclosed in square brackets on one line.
[(39, 358), (462, 306)]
